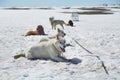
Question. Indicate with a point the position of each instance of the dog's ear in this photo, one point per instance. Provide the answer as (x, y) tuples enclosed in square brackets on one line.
[(52, 17), (58, 37), (38, 27)]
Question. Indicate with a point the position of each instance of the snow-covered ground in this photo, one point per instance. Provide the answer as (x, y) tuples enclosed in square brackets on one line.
[(100, 34)]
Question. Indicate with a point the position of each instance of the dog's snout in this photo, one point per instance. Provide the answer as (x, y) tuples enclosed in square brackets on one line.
[(64, 46), (64, 34)]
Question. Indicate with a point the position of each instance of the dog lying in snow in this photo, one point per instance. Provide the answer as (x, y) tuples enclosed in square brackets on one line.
[(70, 23), (39, 31), (60, 33), (50, 49)]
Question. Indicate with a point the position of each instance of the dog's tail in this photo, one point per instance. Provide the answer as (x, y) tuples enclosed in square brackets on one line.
[(25, 35), (21, 54)]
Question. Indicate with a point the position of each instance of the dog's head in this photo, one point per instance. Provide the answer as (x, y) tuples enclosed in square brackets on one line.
[(60, 44), (70, 22), (40, 29), (60, 33), (51, 18)]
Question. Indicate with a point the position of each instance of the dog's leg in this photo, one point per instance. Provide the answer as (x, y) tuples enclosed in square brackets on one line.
[(54, 56), (52, 26), (21, 54), (65, 60), (55, 27), (59, 59), (62, 26)]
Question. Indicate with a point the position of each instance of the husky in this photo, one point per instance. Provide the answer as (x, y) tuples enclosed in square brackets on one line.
[(56, 22), (60, 33), (51, 49)]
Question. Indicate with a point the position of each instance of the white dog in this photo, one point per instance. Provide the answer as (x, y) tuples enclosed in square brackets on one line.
[(60, 33), (56, 22), (51, 49)]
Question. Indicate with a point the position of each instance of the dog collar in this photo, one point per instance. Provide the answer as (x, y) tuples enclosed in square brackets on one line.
[(59, 52)]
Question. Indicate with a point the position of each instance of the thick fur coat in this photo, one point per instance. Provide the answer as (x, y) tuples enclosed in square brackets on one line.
[(60, 33), (51, 49), (39, 31), (54, 23)]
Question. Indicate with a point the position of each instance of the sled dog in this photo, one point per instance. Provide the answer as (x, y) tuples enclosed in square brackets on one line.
[(39, 31), (56, 22), (51, 49), (60, 33)]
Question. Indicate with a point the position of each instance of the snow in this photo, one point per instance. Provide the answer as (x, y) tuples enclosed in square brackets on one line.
[(100, 34)]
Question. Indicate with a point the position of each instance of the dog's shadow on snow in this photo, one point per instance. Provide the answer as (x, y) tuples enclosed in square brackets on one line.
[(75, 60), (72, 61)]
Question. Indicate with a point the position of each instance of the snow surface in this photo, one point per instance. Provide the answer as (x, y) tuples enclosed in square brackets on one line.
[(99, 34)]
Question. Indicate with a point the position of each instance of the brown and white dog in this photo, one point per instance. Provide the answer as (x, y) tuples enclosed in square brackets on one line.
[(39, 31), (70, 23)]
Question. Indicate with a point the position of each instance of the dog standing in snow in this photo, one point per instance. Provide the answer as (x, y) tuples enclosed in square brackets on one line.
[(56, 22)]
